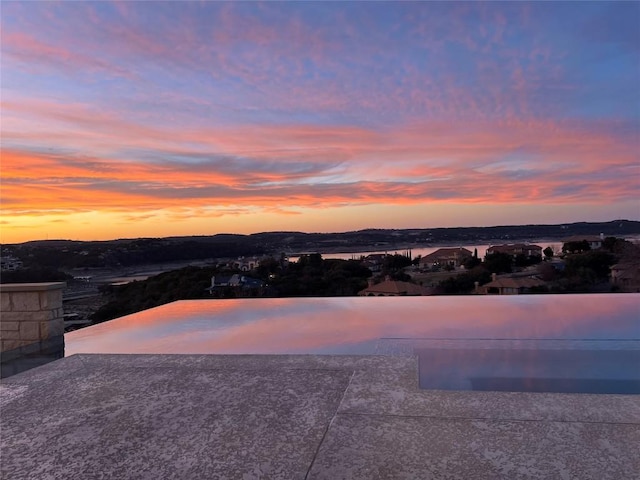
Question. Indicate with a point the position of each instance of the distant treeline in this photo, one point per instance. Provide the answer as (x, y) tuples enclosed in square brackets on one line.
[(310, 276), (35, 275)]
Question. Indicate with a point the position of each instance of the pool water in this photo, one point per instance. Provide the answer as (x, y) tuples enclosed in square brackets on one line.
[(533, 343), (531, 370)]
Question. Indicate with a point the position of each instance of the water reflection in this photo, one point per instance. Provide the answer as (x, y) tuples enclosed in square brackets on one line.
[(535, 343), (531, 370), (356, 324)]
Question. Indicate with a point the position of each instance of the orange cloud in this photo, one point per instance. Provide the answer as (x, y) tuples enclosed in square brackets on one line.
[(284, 167)]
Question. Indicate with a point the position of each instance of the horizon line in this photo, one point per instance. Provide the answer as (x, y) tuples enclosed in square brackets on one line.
[(325, 233)]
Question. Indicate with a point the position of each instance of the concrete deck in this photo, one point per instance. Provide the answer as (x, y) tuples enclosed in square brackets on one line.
[(298, 417)]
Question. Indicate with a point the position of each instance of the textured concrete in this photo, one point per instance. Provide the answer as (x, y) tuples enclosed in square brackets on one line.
[(181, 423), (298, 417), (389, 392), (380, 447)]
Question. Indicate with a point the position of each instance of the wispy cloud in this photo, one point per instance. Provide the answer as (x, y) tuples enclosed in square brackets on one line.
[(234, 109)]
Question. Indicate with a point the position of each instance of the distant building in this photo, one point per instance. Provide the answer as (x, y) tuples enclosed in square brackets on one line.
[(515, 249), (9, 263), (245, 264), (594, 241), (374, 261), (374, 267), (394, 288), (234, 281), (509, 285), (453, 257), (626, 276), (376, 257)]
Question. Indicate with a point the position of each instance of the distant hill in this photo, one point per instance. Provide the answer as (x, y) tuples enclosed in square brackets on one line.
[(124, 252)]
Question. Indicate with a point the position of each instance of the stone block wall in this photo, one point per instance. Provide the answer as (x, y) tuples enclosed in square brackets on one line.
[(31, 325)]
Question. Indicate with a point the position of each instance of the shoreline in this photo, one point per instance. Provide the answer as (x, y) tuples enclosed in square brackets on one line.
[(397, 247)]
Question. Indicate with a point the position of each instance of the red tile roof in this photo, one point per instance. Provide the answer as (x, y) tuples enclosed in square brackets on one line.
[(395, 287)]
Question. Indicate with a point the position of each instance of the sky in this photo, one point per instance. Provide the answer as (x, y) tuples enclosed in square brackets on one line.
[(153, 119)]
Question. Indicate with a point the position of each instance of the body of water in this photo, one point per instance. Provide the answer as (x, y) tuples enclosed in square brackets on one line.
[(530, 342)]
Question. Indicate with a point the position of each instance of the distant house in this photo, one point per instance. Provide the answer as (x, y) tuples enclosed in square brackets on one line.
[(234, 281), (515, 249), (374, 267), (225, 281), (374, 261), (9, 263), (594, 241), (375, 257), (394, 288), (245, 264), (510, 285), (453, 257), (626, 276)]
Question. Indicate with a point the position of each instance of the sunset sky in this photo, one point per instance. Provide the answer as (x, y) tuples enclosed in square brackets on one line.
[(132, 119)]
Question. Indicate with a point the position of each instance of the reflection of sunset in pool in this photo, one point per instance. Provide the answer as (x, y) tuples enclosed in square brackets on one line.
[(355, 324), (463, 342)]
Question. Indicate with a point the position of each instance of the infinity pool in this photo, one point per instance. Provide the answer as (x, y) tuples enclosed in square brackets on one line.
[(540, 343)]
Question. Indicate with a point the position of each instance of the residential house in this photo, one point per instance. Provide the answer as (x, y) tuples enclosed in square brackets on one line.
[(245, 264), (515, 249), (626, 276), (453, 257), (394, 288), (9, 263), (509, 285), (594, 241), (374, 261), (376, 257), (374, 267), (234, 281)]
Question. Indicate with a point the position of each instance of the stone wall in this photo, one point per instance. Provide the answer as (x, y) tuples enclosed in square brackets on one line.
[(31, 326)]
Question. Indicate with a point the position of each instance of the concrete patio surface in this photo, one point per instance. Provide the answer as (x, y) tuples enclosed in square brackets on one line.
[(298, 417)]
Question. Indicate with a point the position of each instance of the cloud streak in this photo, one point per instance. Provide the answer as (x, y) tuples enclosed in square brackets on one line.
[(236, 110)]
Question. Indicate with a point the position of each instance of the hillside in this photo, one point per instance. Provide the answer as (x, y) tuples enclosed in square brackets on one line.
[(70, 254)]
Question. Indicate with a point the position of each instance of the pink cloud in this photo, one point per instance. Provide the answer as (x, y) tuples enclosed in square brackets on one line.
[(37, 55), (539, 161)]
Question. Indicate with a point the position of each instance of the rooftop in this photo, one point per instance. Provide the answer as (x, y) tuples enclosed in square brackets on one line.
[(395, 287), (298, 417), (513, 282)]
